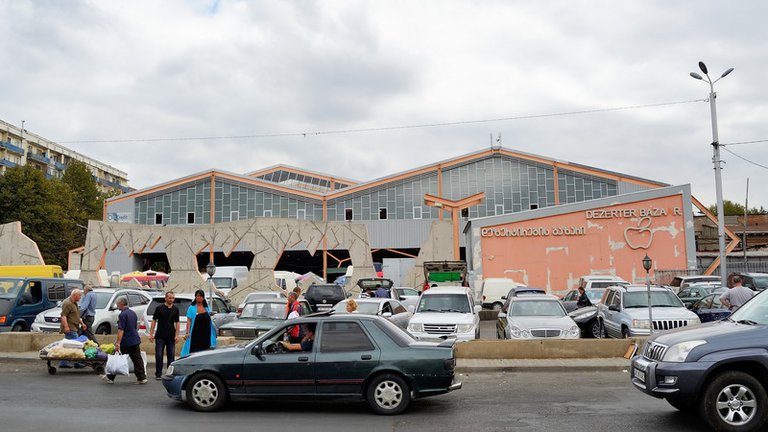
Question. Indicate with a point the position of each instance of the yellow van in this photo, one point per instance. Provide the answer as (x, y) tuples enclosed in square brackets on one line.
[(40, 271)]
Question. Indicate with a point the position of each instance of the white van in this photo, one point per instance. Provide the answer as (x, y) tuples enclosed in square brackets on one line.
[(493, 291), (286, 280), (227, 278)]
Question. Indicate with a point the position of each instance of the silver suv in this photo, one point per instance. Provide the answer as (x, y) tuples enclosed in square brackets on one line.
[(623, 311)]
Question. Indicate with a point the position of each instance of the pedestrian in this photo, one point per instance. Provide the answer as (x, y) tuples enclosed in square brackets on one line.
[(736, 295), (200, 334), (88, 312), (297, 290), (351, 306), (166, 319), (128, 341), (583, 300), (381, 292), (71, 322), (295, 334)]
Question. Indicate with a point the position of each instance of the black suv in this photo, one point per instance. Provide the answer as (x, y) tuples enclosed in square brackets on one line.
[(322, 297), (718, 368)]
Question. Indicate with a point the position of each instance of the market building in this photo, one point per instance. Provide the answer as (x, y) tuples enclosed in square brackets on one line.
[(399, 212)]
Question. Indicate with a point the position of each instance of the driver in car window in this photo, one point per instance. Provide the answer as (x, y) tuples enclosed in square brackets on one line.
[(306, 341)]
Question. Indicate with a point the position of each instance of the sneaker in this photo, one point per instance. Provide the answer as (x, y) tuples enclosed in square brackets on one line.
[(158, 378), (144, 381), (107, 380)]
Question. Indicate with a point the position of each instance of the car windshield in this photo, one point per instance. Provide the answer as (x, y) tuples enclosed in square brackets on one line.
[(444, 303), (639, 299), (221, 282), (761, 282), (755, 311), (263, 294), (325, 291), (263, 310), (595, 294), (407, 292), (367, 308), (537, 308), (102, 300), (9, 288)]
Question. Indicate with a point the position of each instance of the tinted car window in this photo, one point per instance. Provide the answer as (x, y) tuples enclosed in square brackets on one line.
[(102, 299), (56, 291), (344, 337), (395, 333), (182, 304), (136, 300), (658, 298), (399, 308)]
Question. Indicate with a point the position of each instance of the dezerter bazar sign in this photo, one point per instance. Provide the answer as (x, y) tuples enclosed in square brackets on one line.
[(643, 227)]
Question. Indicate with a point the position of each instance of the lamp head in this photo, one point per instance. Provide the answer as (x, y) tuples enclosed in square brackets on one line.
[(726, 73), (647, 263), (703, 67), (210, 269), (697, 76)]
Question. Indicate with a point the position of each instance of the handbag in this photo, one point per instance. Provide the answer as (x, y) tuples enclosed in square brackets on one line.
[(117, 364)]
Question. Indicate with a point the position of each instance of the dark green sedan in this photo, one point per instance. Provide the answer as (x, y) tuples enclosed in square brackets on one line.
[(352, 355), (258, 317)]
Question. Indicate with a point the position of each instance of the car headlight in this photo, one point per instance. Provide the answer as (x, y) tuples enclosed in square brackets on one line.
[(574, 332), (641, 323), (465, 328), (169, 371), (415, 327), (694, 321), (517, 332), (679, 352), (39, 319), (225, 332), (583, 316)]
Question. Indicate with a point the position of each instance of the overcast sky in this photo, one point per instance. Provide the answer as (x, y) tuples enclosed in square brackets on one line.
[(79, 71)]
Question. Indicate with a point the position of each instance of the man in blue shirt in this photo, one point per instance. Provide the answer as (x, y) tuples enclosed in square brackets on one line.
[(128, 341), (381, 292), (88, 312)]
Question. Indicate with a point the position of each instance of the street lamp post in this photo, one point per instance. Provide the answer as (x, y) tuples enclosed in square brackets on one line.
[(718, 167), (211, 270), (647, 266)]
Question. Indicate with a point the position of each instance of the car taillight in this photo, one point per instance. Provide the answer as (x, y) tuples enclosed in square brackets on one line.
[(450, 363), (239, 311)]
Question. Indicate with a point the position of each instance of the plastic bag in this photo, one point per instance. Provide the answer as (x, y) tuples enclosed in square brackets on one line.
[(90, 352), (90, 344), (107, 348), (117, 364), (130, 362), (101, 355)]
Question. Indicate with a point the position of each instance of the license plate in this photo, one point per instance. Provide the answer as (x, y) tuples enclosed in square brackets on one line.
[(639, 374)]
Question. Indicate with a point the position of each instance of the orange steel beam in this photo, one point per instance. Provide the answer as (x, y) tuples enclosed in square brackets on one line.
[(557, 187), (325, 239), (400, 253), (440, 188), (454, 206), (300, 171)]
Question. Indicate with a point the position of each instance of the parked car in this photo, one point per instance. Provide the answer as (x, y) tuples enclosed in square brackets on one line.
[(408, 296), (710, 308), (680, 282), (755, 281), (24, 298), (536, 317), (600, 281), (717, 370), (221, 311), (105, 320), (353, 356), (445, 312), (586, 319), (390, 309), (623, 311), (572, 297), (494, 290), (258, 317), (257, 295), (692, 293), (322, 297), (371, 284)]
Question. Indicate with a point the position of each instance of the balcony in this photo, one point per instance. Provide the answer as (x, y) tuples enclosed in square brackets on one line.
[(7, 163), (11, 148), (59, 166), (38, 157)]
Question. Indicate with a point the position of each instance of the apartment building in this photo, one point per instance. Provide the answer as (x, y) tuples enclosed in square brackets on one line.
[(21, 147)]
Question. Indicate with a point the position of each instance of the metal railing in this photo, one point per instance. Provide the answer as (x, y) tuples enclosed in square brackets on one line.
[(11, 148)]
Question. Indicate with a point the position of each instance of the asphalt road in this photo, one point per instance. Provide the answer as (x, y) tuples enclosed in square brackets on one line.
[(32, 400)]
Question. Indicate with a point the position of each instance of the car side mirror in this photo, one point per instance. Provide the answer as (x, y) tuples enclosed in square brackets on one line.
[(478, 308), (613, 308), (386, 314), (502, 315), (258, 351), (503, 297)]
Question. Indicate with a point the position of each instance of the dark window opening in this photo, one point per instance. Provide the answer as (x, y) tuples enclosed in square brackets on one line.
[(158, 218), (534, 206), (348, 214), (465, 213), (382, 213), (190, 218)]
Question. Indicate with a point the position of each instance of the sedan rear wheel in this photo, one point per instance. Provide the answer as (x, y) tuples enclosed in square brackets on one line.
[(388, 394), (595, 329), (206, 392)]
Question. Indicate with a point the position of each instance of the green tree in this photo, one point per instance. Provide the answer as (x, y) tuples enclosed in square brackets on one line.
[(731, 208), (87, 199)]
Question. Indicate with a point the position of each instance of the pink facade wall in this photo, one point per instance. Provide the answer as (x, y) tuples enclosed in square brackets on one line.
[(553, 252)]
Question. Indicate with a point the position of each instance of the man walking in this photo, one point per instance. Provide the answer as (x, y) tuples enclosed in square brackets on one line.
[(88, 312), (736, 295), (128, 341), (71, 322), (166, 320)]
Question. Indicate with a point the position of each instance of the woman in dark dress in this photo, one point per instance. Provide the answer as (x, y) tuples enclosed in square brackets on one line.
[(201, 334)]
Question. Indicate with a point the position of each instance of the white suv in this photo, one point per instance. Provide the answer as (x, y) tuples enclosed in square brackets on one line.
[(445, 312)]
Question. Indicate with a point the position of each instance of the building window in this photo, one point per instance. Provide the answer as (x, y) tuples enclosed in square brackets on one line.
[(534, 206), (348, 214), (267, 213), (234, 216), (382, 213), (417, 212), (301, 214), (465, 213), (158, 218), (190, 218), (499, 209)]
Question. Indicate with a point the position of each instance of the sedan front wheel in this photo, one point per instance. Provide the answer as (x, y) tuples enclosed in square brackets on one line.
[(206, 392), (388, 394), (734, 401)]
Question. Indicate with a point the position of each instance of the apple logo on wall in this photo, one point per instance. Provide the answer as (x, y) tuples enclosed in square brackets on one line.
[(641, 236)]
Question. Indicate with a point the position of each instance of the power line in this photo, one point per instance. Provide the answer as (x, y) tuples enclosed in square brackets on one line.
[(383, 128), (745, 159), (744, 142)]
